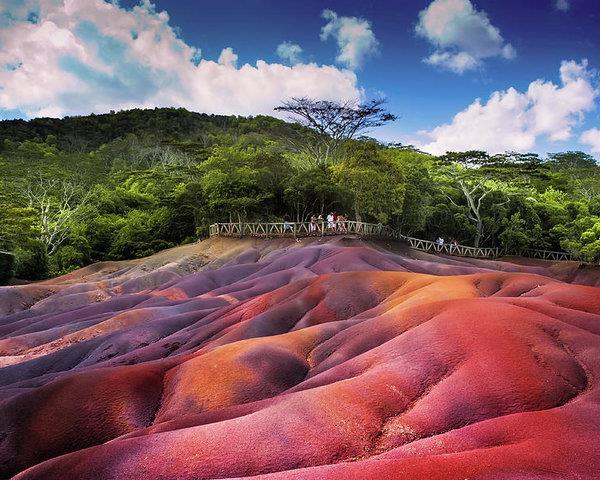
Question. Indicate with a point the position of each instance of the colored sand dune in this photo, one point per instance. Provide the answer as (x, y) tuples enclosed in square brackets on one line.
[(313, 360)]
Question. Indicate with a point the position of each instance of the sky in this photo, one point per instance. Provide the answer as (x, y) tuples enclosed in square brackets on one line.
[(459, 74)]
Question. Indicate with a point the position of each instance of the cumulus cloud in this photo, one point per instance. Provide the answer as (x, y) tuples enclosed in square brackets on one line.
[(461, 35), (228, 58), (562, 5), (74, 57), (513, 120), (592, 138), (456, 62), (289, 52), (354, 37)]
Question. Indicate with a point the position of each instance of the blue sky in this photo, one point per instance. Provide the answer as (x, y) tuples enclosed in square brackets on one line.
[(432, 60)]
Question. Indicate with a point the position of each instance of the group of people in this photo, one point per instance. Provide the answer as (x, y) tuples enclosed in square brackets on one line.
[(333, 223)]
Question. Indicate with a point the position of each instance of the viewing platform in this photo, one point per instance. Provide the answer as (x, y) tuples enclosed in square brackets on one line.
[(374, 231)]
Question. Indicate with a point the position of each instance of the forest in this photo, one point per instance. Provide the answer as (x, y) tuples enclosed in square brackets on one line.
[(126, 184)]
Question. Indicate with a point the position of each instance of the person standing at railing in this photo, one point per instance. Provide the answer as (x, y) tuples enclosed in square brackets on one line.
[(453, 245), (341, 219), (287, 226), (330, 222), (312, 227), (321, 224)]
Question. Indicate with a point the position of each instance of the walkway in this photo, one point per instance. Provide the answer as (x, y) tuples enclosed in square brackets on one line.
[(372, 230)]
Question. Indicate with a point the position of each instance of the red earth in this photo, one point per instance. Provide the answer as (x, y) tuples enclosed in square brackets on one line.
[(317, 359)]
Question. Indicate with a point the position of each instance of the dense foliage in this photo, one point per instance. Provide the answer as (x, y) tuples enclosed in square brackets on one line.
[(125, 185), (7, 265)]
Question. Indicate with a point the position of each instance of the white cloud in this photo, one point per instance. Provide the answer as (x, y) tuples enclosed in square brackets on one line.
[(513, 120), (289, 52), (592, 138), (562, 5), (456, 62), (461, 35), (353, 35), (75, 57), (228, 58)]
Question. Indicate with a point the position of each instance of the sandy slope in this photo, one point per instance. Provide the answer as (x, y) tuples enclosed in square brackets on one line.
[(312, 359)]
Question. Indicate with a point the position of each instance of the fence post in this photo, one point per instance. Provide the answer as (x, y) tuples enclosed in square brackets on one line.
[(322, 228)]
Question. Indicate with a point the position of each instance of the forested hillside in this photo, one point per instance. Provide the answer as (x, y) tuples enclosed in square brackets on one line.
[(127, 184), (77, 134)]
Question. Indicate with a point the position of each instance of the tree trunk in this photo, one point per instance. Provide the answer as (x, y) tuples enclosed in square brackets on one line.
[(479, 233), (474, 208), (357, 212)]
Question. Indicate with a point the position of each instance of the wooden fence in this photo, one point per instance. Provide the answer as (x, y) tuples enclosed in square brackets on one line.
[(306, 229), (545, 254)]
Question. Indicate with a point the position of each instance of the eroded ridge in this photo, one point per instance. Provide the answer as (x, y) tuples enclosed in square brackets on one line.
[(318, 360)]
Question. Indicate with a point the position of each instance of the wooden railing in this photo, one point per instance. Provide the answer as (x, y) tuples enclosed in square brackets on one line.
[(300, 229), (451, 249), (546, 254), (306, 229)]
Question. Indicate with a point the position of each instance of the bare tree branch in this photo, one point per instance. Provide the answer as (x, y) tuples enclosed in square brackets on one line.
[(58, 204)]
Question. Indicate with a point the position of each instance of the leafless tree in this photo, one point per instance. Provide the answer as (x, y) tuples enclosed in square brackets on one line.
[(143, 153), (589, 187), (332, 123), (57, 204), (158, 155), (74, 143)]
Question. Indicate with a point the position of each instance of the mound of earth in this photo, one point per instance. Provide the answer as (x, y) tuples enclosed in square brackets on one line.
[(276, 359)]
